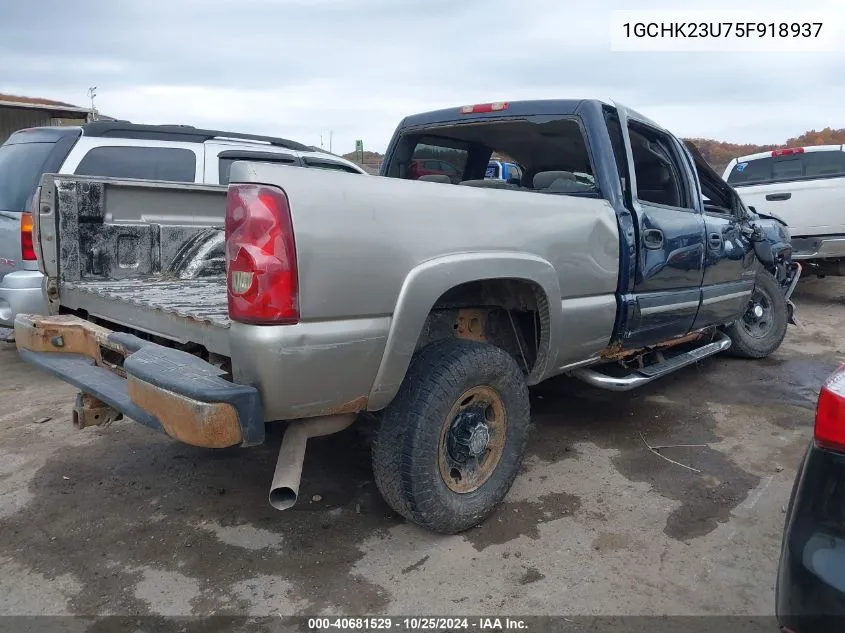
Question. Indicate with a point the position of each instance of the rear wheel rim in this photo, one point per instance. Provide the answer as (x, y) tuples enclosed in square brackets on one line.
[(758, 320), (472, 439)]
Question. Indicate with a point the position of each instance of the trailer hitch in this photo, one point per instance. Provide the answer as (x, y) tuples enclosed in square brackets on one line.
[(88, 411)]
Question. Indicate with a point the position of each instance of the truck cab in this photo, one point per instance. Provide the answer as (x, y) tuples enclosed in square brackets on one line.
[(688, 259)]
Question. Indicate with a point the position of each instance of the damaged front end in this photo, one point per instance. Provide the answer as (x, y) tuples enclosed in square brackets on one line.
[(773, 248)]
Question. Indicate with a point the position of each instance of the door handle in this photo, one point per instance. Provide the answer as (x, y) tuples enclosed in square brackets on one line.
[(774, 197), (715, 241), (653, 238)]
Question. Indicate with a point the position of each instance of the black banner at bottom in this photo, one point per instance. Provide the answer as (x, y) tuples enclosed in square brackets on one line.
[(408, 624)]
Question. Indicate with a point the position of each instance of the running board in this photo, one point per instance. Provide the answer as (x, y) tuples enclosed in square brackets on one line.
[(652, 372)]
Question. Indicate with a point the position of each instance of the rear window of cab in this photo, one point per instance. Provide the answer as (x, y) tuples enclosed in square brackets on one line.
[(799, 166)]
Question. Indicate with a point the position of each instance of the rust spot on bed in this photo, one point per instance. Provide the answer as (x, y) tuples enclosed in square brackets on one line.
[(206, 424), (472, 324)]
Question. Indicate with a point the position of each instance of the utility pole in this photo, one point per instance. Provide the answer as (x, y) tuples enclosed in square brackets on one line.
[(92, 92)]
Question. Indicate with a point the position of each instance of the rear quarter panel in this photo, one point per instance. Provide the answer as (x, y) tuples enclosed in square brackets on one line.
[(357, 239), (365, 244)]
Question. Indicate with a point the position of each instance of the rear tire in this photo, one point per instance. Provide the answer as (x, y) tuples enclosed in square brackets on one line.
[(761, 329), (450, 444)]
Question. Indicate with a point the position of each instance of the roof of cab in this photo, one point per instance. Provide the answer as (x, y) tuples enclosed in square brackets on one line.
[(537, 107)]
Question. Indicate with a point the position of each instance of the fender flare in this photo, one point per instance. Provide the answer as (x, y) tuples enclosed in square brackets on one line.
[(427, 282)]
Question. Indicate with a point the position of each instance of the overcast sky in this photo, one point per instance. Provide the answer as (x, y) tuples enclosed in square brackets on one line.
[(297, 68)]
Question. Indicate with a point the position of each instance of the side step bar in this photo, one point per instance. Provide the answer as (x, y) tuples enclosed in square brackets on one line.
[(652, 372)]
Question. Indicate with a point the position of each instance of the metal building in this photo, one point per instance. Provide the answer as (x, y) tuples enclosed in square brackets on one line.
[(17, 113)]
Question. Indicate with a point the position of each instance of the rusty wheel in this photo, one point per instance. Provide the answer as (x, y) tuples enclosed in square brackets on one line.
[(450, 444), (472, 439)]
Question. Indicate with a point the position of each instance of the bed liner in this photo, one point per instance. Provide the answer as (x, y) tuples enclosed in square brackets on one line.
[(183, 310)]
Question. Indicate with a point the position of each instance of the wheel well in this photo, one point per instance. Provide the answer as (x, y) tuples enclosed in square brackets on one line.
[(512, 314)]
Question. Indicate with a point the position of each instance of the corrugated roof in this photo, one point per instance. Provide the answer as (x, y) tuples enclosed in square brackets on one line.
[(34, 101)]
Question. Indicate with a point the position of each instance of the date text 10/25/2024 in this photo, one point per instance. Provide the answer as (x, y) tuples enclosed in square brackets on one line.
[(418, 624)]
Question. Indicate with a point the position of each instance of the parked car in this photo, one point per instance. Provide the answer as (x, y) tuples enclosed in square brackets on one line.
[(174, 153), (431, 305), (805, 186), (420, 167), (811, 574)]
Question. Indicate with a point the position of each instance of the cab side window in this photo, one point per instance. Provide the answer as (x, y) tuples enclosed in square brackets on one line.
[(657, 168)]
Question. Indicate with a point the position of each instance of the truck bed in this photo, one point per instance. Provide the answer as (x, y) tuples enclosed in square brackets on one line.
[(140, 255), (183, 310), (203, 300)]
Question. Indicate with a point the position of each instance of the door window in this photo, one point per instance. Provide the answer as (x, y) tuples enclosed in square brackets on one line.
[(660, 177)]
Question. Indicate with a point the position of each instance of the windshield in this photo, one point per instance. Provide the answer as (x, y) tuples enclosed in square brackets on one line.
[(21, 166)]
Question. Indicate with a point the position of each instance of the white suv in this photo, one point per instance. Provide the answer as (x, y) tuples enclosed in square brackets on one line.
[(116, 149)]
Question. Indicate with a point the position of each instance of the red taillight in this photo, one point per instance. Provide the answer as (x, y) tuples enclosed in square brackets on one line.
[(789, 151), (830, 413), (484, 107), (262, 280), (27, 246)]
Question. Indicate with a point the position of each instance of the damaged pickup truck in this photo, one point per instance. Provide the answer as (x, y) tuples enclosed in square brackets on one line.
[(309, 297)]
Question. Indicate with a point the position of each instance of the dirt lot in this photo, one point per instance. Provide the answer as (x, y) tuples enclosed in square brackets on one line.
[(124, 521)]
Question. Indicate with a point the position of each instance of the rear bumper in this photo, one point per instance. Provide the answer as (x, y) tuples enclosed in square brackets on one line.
[(821, 247), (21, 293), (163, 388)]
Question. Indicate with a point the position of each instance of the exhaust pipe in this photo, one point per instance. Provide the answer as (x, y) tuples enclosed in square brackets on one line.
[(285, 486)]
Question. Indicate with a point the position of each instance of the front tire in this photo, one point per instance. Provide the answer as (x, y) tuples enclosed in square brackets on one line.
[(762, 327), (450, 444)]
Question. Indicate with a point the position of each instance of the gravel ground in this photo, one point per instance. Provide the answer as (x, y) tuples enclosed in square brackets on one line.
[(123, 521)]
